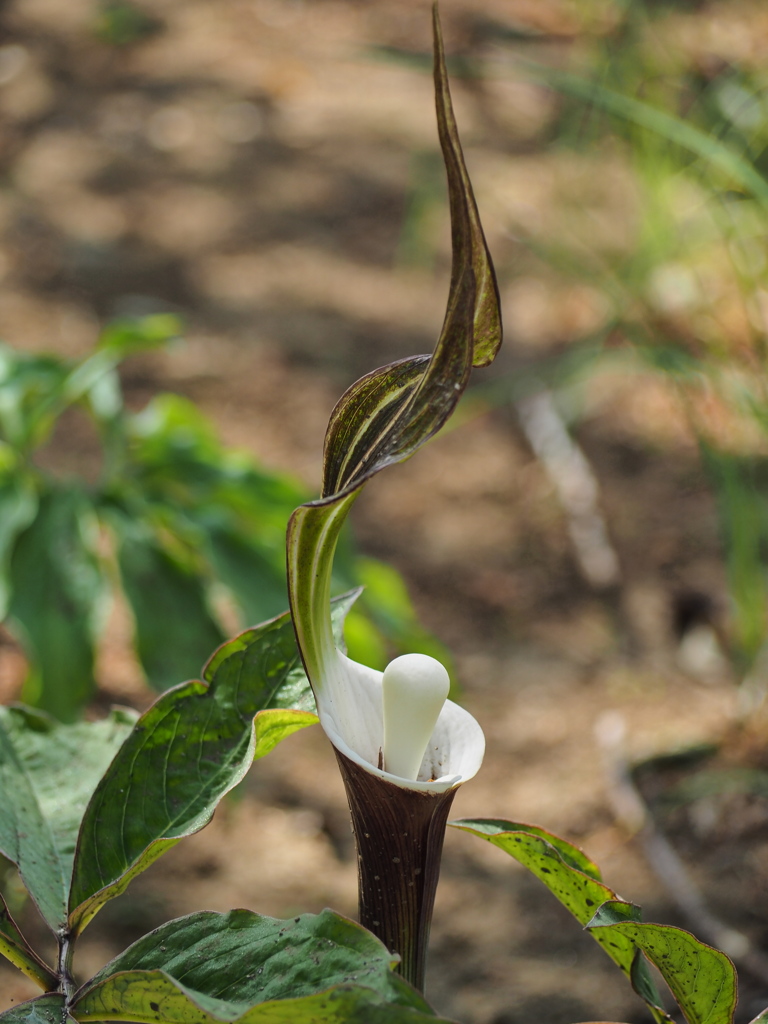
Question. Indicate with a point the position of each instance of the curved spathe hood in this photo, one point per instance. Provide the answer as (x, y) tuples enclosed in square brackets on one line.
[(350, 707)]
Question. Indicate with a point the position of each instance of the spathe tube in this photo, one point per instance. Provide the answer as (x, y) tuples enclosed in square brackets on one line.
[(399, 824)]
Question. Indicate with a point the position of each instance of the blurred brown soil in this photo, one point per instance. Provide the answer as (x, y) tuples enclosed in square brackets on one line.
[(255, 166)]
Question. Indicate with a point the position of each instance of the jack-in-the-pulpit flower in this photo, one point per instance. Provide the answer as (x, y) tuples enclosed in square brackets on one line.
[(402, 747)]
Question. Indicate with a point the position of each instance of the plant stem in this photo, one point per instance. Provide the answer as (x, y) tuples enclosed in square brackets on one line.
[(399, 834), (64, 968)]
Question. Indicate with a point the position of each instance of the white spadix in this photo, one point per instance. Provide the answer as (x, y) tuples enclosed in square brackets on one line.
[(414, 690)]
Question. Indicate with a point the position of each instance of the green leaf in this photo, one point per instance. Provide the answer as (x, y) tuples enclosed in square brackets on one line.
[(702, 979), (237, 511), (501, 833), (47, 1009), (571, 876), (15, 948), (742, 522), (57, 585), (35, 390), (152, 998), (254, 575), (177, 457), (389, 414), (29, 387), (18, 505), (189, 749), (275, 725), (39, 760), (241, 966), (129, 335), (175, 631)]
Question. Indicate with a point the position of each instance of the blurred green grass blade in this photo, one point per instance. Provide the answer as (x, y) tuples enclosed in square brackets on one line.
[(574, 879), (14, 947), (120, 23), (58, 588), (742, 512), (681, 132), (297, 970), (702, 979), (40, 759), (47, 1009), (186, 751), (675, 129)]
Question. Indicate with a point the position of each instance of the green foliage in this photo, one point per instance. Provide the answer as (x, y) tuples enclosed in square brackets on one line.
[(316, 967), (56, 588), (175, 764), (134, 788), (685, 293), (172, 519), (38, 830), (702, 979), (47, 1009), (189, 749), (575, 881)]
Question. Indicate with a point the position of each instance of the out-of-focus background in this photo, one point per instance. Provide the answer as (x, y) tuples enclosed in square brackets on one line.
[(588, 539)]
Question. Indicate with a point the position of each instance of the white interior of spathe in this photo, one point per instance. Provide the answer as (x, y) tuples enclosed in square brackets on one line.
[(349, 704)]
